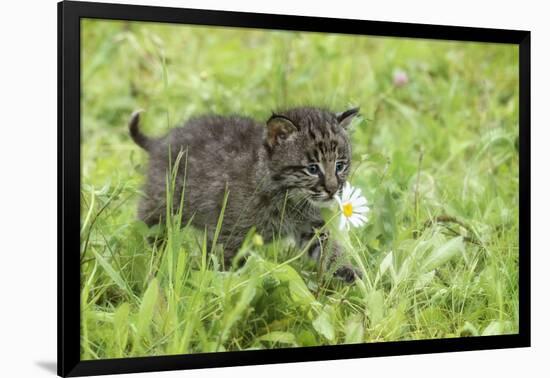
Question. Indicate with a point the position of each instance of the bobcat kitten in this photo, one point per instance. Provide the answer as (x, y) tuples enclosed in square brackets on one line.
[(277, 175)]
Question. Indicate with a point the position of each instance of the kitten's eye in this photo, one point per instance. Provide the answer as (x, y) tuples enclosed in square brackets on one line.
[(312, 169), (340, 166)]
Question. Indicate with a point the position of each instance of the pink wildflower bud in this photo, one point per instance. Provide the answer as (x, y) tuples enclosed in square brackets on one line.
[(400, 78)]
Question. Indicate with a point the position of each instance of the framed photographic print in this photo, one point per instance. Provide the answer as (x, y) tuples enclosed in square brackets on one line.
[(239, 188)]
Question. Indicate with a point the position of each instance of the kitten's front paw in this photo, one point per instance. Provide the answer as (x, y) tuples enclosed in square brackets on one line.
[(348, 273)]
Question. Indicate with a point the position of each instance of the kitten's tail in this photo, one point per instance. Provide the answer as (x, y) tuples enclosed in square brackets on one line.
[(141, 139)]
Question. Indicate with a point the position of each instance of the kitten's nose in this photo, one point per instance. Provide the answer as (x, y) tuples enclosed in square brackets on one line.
[(331, 185), (331, 191)]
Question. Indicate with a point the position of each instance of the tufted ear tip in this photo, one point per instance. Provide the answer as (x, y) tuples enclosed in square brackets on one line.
[(279, 128), (345, 118)]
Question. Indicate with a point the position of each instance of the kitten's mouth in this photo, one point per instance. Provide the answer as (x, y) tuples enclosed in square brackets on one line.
[(322, 201)]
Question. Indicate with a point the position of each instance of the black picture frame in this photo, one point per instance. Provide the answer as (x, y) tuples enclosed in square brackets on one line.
[(69, 15)]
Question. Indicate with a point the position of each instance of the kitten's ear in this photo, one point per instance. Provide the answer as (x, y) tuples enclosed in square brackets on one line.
[(345, 118), (279, 128)]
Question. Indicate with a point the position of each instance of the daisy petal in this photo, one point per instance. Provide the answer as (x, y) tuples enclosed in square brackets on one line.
[(355, 195), (346, 191), (342, 222), (349, 194), (362, 218), (360, 201), (353, 221), (360, 209), (359, 224)]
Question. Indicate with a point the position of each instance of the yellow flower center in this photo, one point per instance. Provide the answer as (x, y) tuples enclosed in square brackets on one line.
[(347, 209)]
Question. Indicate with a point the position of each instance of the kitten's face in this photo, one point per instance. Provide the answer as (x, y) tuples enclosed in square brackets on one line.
[(310, 153)]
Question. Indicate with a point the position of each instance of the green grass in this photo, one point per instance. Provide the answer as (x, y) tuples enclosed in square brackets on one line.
[(437, 160)]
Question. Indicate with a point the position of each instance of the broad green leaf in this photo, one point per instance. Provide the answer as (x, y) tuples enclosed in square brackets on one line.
[(469, 330), (386, 263), (145, 314), (120, 325), (279, 337), (215, 282), (300, 293), (443, 254), (101, 316), (375, 307), (354, 330), (298, 289), (394, 321), (307, 338), (497, 328), (270, 282), (323, 325), (235, 312)]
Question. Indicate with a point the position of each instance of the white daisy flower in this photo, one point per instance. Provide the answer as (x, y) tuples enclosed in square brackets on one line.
[(353, 207)]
